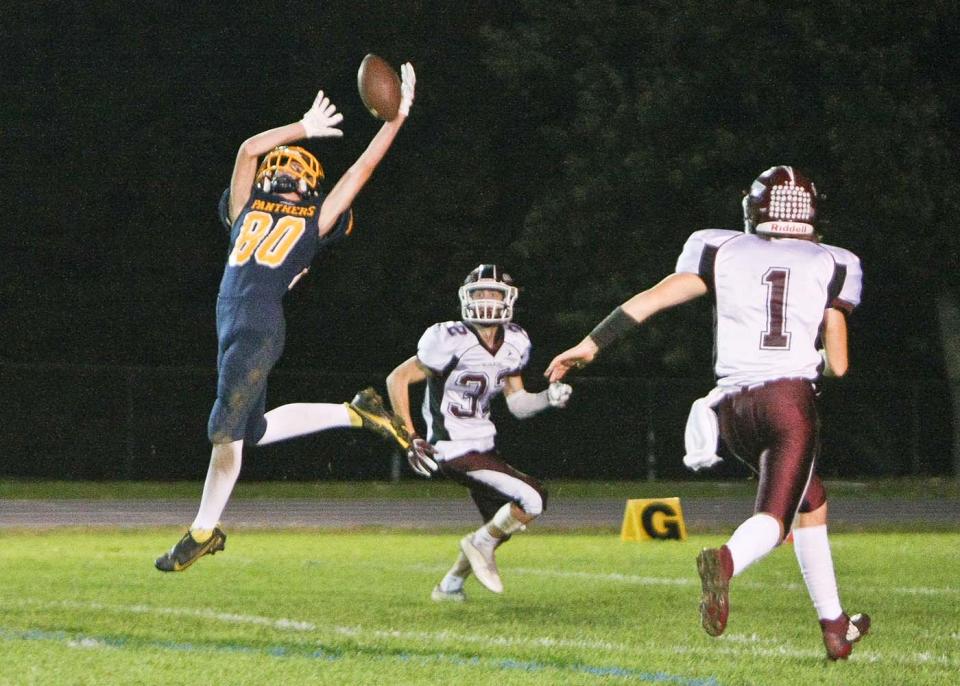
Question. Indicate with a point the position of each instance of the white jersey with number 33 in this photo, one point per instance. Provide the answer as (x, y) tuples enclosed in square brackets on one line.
[(466, 376), (770, 300)]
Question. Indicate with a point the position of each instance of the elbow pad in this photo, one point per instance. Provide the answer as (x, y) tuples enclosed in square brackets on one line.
[(523, 404)]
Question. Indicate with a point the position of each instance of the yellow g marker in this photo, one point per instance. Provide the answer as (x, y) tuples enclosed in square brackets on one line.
[(648, 519)]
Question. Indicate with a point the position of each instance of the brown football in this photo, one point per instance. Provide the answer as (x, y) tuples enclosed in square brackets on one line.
[(379, 87)]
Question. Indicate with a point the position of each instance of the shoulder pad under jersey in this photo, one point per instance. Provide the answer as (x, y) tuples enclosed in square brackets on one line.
[(442, 342), (516, 336), (690, 257), (852, 287)]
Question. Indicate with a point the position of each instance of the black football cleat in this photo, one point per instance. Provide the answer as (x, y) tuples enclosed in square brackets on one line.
[(841, 633), (188, 550), (368, 406)]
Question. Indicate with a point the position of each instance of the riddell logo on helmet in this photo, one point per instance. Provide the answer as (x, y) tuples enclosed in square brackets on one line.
[(785, 228)]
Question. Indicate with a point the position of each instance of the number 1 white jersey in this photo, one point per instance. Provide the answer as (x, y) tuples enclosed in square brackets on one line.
[(466, 376), (770, 299)]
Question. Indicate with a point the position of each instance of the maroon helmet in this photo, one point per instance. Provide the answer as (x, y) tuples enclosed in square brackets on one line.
[(782, 202)]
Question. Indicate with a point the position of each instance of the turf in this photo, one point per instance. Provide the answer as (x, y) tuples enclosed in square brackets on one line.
[(87, 607)]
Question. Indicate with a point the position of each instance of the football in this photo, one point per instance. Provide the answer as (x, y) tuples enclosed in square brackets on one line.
[(379, 87)]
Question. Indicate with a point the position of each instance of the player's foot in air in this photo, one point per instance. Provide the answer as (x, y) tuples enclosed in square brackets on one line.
[(453, 596), (368, 407), (482, 563), (841, 633), (716, 568), (188, 550)]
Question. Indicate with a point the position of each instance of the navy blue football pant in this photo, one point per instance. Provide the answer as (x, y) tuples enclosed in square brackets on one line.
[(250, 337)]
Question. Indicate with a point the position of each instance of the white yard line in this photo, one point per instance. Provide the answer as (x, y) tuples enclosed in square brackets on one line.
[(731, 645), (693, 581)]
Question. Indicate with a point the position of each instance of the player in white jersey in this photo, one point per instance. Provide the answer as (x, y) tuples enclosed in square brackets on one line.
[(466, 364), (779, 294)]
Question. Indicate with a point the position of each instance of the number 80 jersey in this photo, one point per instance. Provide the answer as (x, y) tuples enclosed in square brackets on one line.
[(466, 376), (770, 300), (272, 243)]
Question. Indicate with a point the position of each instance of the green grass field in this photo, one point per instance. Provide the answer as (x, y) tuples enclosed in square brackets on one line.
[(297, 607)]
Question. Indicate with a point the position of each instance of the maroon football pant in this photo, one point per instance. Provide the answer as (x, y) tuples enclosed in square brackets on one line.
[(487, 497), (775, 427)]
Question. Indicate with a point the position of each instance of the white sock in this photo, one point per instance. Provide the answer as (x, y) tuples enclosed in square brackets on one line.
[(454, 578), (299, 419), (812, 547), (502, 521), (482, 538), (222, 474), (505, 521), (752, 540)]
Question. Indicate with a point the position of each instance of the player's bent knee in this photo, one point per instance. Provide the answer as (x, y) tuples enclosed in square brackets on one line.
[(532, 503)]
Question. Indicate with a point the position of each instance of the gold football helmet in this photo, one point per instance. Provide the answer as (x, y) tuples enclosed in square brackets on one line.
[(289, 169)]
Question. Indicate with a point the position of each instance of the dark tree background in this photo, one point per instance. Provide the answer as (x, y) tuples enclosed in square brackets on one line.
[(576, 143)]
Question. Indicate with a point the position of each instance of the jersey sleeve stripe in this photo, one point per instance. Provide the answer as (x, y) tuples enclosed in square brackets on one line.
[(708, 258), (834, 288)]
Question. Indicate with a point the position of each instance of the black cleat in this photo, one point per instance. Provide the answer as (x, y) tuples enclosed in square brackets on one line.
[(368, 406), (187, 551)]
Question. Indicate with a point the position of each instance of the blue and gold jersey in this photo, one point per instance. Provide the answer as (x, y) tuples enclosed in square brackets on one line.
[(272, 242)]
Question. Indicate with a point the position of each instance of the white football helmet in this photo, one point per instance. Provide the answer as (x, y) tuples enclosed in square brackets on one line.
[(487, 296)]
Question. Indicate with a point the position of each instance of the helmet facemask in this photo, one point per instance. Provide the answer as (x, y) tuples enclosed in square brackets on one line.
[(487, 302), (487, 296), (290, 170)]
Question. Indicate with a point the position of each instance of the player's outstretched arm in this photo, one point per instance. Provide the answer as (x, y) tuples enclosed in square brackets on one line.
[(320, 121), (577, 357), (420, 453), (675, 289), (398, 389), (346, 189), (523, 404)]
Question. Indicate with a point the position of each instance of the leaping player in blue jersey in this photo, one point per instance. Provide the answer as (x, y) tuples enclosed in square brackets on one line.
[(279, 220)]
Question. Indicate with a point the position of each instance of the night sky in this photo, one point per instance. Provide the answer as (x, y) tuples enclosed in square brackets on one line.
[(120, 126)]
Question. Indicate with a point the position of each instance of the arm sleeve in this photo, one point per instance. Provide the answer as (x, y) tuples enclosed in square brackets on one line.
[(523, 404)]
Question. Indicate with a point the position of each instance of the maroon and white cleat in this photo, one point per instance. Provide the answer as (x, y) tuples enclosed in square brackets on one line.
[(841, 633), (715, 566)]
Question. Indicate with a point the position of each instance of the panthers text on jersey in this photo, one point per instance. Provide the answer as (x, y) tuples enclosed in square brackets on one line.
[(272, 242), (770, 297), (466, 376)]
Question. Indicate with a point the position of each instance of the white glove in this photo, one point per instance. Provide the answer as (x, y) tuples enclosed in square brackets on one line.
[(321, 119), (420, 456), (407, 86), (558, 394)]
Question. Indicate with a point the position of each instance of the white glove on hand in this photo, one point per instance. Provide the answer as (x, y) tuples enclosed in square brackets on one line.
[(319, 121), (408, 83), (420, 456), (558, 394)]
